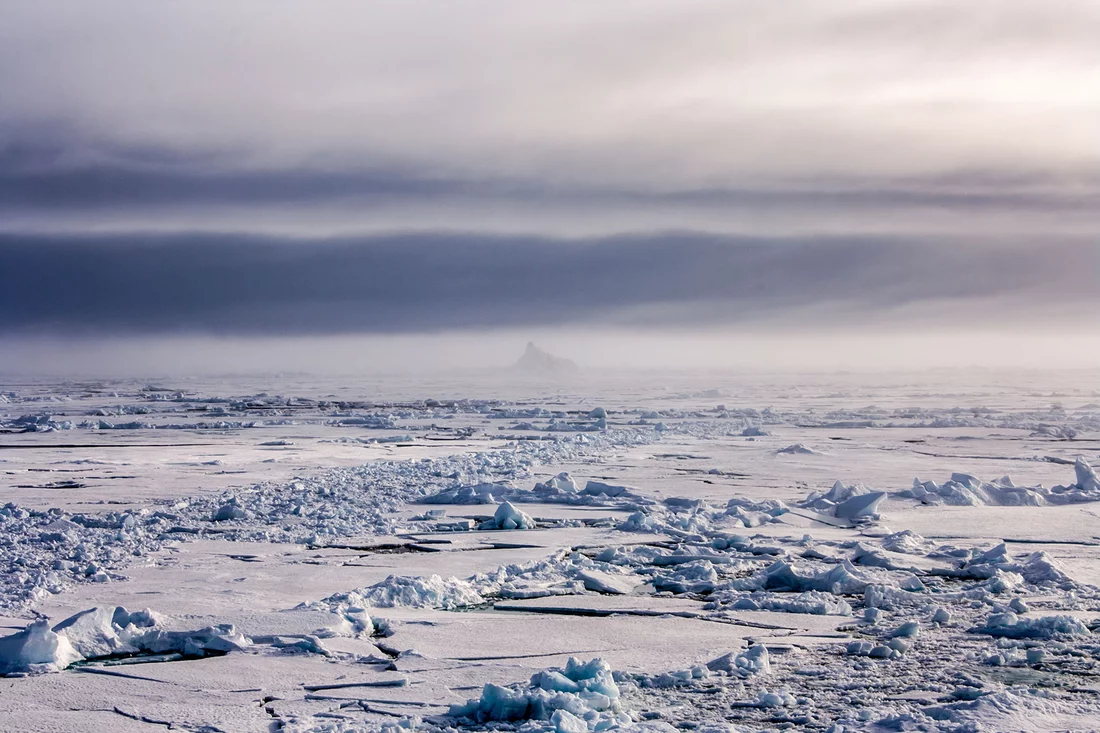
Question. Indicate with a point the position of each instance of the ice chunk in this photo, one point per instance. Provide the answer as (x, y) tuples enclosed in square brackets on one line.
[(909, 629), (600, 582), (854, 503), (797, 449), (477, 494), (841, 579), (308, 644), (971, 482), (230, 510), (696, 576), (1087, 479), (783, 698), (907, 542), (36, 648), (751, 662), (637, 522), (811, 602), (864, 648), (415, 592), (566, 722), (583, 690), (104, 632), (508, 517), (859, 507), (599, 488), (101, 631), (1011, 626), (562, 482)]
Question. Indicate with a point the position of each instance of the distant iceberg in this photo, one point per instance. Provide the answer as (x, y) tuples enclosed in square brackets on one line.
[(537, 361)]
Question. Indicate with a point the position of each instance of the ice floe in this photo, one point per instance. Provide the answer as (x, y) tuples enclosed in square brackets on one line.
[(107, 632)]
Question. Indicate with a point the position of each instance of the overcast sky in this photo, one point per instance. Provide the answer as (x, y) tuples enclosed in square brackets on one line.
[(408, 167)]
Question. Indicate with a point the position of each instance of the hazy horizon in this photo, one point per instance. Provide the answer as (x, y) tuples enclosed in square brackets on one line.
[(598, 354)]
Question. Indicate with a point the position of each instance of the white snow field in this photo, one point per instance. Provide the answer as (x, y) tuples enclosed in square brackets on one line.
[(711, 553)]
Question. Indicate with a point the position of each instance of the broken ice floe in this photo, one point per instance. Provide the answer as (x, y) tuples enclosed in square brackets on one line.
[(694, 518), (963, 489), (105, 632), (1009, 625), (751, 662), (561, 489), (578, 698), (413, 592), (854, 503)]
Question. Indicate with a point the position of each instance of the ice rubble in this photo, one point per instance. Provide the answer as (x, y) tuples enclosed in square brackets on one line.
[(963, 489), (1036, 568), (484, 493), (854, 503), (840, 579), (1009, 625), (344, 725), (42, 552), (810, 602), (563, 573), (751, 662), (797, 449), (107, 632), (907, 542), (408, 591), (1014, 709), (687, 518), (580, 697), (561, 489)]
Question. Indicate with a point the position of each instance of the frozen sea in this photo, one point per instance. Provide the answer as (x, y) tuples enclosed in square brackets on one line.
[(495, 551)]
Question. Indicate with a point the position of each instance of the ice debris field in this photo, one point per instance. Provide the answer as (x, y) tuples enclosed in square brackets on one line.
[(834, 554)]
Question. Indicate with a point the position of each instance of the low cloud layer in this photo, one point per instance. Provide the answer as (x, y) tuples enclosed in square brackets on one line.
[(437, 282)]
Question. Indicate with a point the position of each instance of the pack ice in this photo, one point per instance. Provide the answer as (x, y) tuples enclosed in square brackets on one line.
[(636, 558)]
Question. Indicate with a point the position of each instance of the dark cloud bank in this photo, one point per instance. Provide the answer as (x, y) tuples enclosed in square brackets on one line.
[(419, 283)]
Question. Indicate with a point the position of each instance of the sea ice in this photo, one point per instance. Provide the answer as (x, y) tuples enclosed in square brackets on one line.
[(585, 690), (1011, 626), (508, 517), (415, 592), (36, 648), (753, 661), (797, 449), (105, 632)]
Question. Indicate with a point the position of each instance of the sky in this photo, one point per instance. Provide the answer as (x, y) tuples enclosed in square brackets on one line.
[(626, 173)]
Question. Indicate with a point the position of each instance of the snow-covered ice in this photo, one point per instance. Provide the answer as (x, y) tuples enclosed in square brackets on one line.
[(594, 557)]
